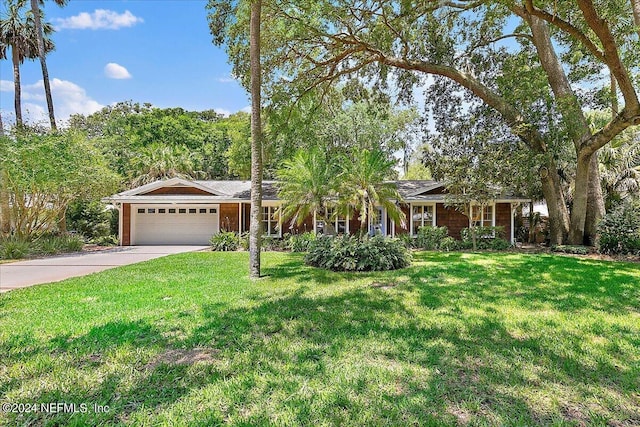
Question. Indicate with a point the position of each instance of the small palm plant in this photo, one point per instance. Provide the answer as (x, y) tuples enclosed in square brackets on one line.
[(364, 186), (306, 184)]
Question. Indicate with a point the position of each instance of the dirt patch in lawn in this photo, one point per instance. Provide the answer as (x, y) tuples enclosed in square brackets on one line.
[(184, 357)]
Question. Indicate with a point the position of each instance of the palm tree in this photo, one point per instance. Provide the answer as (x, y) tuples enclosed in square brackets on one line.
[(255, 230), (158, 161), (306, 184), (620, 169), (17, 32), (364, 187), (41, 32)]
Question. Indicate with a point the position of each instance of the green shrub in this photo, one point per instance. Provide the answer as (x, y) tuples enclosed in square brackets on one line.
[(619, 230), (570, 249), (349, 253), (408, 240), (486, 238), (70, 242), (91, 219), (46, 245), (110, 240), (429, 238), (301, 242), (14, 248), (449, 244), (225, 241), (270, 243), (243, 240), (51, 244)]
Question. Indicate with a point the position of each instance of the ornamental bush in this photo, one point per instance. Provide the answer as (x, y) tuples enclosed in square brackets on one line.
[(486, 238), (619, 230), (301, 242), (350, 253), (225, 241), (430, 238)]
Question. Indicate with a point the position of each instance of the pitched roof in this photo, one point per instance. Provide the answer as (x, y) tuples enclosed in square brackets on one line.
[(231, 190)]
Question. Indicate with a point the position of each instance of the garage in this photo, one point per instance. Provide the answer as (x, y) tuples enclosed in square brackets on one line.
[(174, 224)]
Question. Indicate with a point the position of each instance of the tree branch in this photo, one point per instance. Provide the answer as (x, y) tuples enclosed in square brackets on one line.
[(611, 56)]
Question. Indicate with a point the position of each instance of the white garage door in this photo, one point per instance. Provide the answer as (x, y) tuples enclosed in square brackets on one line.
[(173, 225)]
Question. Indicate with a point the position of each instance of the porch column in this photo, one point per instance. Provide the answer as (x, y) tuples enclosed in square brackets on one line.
[(239, 217), (513, 234), (314, 223)]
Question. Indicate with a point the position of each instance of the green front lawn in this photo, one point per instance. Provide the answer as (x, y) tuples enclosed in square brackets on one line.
[(478, 339)]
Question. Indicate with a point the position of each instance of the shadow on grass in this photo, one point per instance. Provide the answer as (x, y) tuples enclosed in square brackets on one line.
[(556, 282), (434, 349), (473, 360)]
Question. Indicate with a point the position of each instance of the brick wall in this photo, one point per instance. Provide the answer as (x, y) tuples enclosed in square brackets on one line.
[(451, 218), (503, 218), (125, 239)]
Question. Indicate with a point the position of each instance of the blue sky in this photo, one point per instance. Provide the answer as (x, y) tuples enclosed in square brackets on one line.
[(156, 51)]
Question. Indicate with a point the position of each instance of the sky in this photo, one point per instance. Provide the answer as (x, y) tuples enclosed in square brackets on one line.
[(155, 51)]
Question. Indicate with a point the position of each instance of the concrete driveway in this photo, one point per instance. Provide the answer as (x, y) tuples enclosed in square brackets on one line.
[(22, 274)]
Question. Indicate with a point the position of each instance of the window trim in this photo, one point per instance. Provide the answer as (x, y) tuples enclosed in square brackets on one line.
[(483, 207), (338, 219), (413, 232), (271, 209)]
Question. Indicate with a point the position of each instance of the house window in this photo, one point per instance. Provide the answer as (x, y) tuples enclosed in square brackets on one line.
[(141, 210), (162, 210), (376, 222), (213, 211), (182, 211), (192, 210), (422, 215), (270, 220), (482, 216), (151, 210), (172, 210), (339, 222), (203, 210)]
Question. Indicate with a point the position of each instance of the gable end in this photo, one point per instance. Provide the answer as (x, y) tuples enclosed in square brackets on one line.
[(174, 190)]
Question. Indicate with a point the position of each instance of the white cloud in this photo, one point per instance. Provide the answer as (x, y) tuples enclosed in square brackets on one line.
[(116, 71), (226, 79), (6, 86), (68, 99), (246, 109), (100, 19), (223, 112)]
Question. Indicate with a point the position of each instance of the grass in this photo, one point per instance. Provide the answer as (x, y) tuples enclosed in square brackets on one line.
[(456, 339)]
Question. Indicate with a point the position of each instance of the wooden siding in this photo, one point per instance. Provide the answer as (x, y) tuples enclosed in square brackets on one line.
[(503, 218), (451, 218), (229, 217), (178, 190), (126, 225)]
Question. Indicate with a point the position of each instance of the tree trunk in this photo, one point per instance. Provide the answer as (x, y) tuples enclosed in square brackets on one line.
[(17, 99), (558, 212), (5, 204), (255, 229), (595, 202), (613, 87), (635, 5), (62, 221), (1, 125), (35, 9), (578, 129), (579, 211)]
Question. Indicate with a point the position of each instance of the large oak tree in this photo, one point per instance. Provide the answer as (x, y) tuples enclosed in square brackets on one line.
[(472, 44)]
